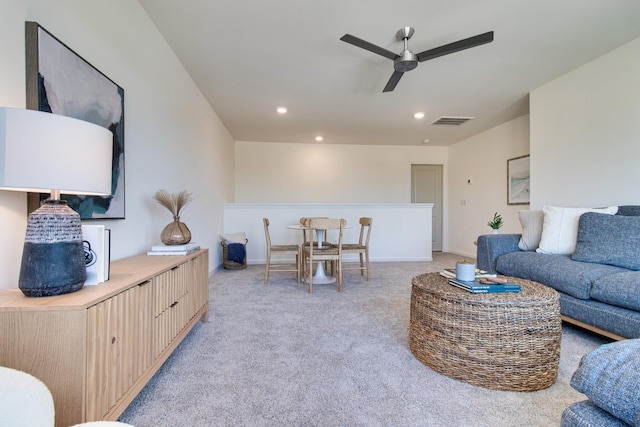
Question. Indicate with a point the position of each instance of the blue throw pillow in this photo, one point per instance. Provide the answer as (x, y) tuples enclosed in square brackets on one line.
[(609, 239), (609, 377)]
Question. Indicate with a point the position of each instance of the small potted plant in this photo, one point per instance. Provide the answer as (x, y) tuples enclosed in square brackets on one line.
[(496, 223)]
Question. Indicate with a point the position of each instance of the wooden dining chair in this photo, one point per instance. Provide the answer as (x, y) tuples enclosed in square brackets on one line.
[(279, 249), (361, 248), (311, 253), (304, 221)]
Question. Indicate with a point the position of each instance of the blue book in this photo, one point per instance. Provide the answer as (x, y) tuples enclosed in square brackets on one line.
[(479, 287)]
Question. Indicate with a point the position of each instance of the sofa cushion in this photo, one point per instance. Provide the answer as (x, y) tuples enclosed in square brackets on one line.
[(560, 228), (619, 289), (617, 320), (556, 271), (531, 222), (609, 239), (586, 414), (629, 210), (609, 377)]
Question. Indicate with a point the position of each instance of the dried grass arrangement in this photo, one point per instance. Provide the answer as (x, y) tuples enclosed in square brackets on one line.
[(176, 232), (174, 202)]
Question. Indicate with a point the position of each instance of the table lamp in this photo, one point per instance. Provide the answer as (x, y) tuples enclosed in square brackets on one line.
[(43, 152)]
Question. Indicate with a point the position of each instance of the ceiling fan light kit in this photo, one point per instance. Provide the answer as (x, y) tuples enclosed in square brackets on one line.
[(407, 60)]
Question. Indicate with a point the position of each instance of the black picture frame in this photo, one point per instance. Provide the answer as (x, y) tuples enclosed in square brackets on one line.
[(60, 81)]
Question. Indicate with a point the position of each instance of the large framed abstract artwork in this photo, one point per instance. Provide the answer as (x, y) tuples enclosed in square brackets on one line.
[(60, 81), (518, 178)]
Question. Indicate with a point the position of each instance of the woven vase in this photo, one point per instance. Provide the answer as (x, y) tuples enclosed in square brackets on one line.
[(176, 233)]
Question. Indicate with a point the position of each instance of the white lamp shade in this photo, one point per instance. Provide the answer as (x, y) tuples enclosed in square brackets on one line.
[(43, 151)]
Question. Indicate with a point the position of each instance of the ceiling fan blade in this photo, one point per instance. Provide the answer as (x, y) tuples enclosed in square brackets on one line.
[(456, 46), (393, 81), (368, 46)]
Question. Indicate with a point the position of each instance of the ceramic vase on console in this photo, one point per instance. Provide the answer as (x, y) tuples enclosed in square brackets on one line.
[(176, 232)]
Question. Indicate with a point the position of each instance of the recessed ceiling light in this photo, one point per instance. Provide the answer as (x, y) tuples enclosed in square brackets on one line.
[(281, 110), (418, 115), (319, 138)]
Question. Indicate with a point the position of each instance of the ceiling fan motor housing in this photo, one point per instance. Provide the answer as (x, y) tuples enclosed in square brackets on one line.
[(406, 61)]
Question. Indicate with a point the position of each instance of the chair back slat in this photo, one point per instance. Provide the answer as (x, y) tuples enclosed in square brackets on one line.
[(266, 232), (327, 224), (305, 222), (365, 223)]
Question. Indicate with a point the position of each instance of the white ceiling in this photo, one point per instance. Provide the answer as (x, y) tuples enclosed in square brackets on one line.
[(250, 56)]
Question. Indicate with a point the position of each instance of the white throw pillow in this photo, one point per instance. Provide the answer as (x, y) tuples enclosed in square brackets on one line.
[(560, 228), (531, 222), (234, 237)]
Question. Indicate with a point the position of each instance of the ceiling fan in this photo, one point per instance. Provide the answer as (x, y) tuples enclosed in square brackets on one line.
[(407, 60)]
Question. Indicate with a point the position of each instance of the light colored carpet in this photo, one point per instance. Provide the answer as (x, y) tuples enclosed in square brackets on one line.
[(275, 355)]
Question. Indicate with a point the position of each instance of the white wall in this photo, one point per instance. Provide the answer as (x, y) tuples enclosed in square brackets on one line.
[(483, 159), (315, 173), (585, 134), (325, 173), (173, 139), (399, 231)]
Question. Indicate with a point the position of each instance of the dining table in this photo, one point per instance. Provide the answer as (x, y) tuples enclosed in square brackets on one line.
[(320, 275)]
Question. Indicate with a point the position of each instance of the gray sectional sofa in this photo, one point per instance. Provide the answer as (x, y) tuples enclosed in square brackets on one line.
[(598, 283)]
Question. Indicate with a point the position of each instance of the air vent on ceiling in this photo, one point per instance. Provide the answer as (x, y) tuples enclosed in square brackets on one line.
[(451, 120)]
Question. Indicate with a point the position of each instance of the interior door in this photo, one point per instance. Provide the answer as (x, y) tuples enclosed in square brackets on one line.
[(426, 187)]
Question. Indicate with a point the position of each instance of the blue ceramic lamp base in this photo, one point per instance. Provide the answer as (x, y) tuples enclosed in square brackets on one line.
[(53, 255)]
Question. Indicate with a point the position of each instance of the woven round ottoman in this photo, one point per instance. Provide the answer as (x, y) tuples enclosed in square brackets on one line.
[(503, 341)]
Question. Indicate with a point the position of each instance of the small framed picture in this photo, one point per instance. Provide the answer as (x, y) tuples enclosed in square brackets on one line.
[(518, 178)]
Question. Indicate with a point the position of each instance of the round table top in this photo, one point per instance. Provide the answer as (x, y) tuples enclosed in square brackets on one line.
[(297, 227), (531, 291), (302, 227)]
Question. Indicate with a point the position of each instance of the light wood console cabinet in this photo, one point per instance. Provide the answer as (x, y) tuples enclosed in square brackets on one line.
[(98, 347)]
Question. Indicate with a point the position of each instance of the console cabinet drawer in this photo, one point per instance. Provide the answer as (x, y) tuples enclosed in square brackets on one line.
[(169, 287), (95, 349)]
